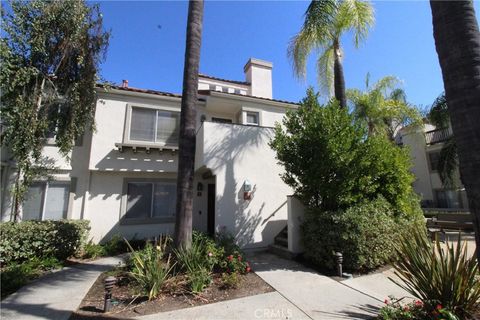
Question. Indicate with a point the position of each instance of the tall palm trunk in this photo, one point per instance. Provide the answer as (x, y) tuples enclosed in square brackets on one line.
[(186, 150), (457, 40), (339, 79)]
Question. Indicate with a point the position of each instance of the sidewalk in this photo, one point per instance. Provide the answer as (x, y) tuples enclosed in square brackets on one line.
[(56, 295)]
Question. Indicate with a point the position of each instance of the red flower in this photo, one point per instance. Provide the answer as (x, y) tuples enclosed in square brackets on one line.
[(406, 308), (418, 303), (439, 307), (239, 258), (248, 269), (386, 301), (230, 258)]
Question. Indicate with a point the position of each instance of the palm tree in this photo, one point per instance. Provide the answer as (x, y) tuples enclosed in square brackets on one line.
[(186, 149), (325, 23), (457, 40), (382, 107)]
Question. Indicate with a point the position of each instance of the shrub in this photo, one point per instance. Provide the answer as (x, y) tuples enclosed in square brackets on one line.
[(197, 262), (230, 280), (149, 269), (17, 275), (439, 276), (332, 165), (92, 250), (366, 234), (416, 310), (234, 263), (28, 239)]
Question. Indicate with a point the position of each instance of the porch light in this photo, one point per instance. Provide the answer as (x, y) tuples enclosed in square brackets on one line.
[(247, 190)]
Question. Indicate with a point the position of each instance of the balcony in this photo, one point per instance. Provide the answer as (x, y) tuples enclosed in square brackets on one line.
[(438, 135), (222, 144)]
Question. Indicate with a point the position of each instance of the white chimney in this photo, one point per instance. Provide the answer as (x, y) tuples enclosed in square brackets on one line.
[(259, 74)]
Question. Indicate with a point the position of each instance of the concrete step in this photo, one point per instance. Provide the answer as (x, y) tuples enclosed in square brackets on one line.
[(281, 241), (280, 251)]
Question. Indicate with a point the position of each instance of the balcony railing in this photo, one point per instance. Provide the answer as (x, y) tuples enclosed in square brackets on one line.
[(438, 135)]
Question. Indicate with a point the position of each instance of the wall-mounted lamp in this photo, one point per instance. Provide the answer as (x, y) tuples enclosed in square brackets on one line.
[(199, 189), (247, 190)]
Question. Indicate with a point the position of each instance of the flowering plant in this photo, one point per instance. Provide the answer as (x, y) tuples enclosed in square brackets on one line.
[(394, 309), (234, 263)]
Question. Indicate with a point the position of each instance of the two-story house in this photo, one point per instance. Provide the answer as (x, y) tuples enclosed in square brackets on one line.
[(122, 176)]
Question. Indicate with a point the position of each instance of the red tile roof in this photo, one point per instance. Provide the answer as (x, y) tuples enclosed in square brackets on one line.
[(224, 80)]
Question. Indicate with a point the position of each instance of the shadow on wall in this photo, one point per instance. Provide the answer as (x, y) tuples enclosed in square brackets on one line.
[(223, 156), (155, 161)]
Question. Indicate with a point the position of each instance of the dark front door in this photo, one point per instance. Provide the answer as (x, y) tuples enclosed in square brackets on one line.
[(211, 210)]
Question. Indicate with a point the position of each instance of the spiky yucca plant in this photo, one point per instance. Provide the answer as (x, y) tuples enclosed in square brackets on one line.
[(436, 275)]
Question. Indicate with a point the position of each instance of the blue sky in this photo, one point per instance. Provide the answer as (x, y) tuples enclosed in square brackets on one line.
[(148, 45)]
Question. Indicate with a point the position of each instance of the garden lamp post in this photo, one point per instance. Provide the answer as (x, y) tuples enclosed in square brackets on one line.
[(109, 283)]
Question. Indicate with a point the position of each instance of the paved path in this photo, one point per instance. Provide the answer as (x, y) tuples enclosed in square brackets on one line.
[(56, 295), (301, 294)]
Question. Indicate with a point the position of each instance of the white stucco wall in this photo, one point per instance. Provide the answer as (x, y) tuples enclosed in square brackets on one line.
[(234, 154)]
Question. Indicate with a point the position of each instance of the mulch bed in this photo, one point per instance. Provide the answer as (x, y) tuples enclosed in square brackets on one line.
[(127, 305)]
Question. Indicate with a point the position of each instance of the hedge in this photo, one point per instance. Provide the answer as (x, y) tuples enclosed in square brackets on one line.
[(25, 240), (366, 234)]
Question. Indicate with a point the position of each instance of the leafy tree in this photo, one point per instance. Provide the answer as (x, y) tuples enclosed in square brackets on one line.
[(448, 160), (382, 107), (50, 54), (326, 21), (332, 164), (457, 40), (186, 150)]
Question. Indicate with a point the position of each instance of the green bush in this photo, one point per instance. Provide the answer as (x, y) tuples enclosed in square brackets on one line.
[(92, 250), (17, 275), (438, 275), (28, 239), (366, 234), (416, 310), (331, 163), (150, 269), (230, 280)]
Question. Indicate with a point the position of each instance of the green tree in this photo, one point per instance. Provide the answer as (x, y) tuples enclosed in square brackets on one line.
[(448, 160), (332, 164), (457, 41), (50, 55), (326, 21), (382, 107), (186, 150)]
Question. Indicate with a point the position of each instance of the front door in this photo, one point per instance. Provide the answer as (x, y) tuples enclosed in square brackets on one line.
[(211, 209)]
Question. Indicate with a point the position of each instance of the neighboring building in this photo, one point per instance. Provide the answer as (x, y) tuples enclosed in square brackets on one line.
[(425, 144), (122, 176)]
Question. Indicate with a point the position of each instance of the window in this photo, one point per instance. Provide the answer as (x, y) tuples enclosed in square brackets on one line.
[(221, 120), (155, 126), (252, 118), (237, 91), (146, 200), (433, 158), (212, 87), (448, 199), (46, 201), (225, 89)]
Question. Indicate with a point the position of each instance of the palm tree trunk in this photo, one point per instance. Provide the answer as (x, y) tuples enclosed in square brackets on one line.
[(457, 40), (186, 150), (338, 78)]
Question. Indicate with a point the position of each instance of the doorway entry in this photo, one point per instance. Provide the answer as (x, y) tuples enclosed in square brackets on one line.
[(211, 209)]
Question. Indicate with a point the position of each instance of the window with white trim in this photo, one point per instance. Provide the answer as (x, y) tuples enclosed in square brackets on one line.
[(252, 118), (46, 201), (154, 126), (146, 200)]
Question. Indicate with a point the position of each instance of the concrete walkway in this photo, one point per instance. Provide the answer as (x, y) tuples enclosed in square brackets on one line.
[(301, 294), (56, 295)]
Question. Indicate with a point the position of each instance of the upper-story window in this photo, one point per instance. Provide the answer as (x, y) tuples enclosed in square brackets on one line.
[(154, 126), (252, 118)]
